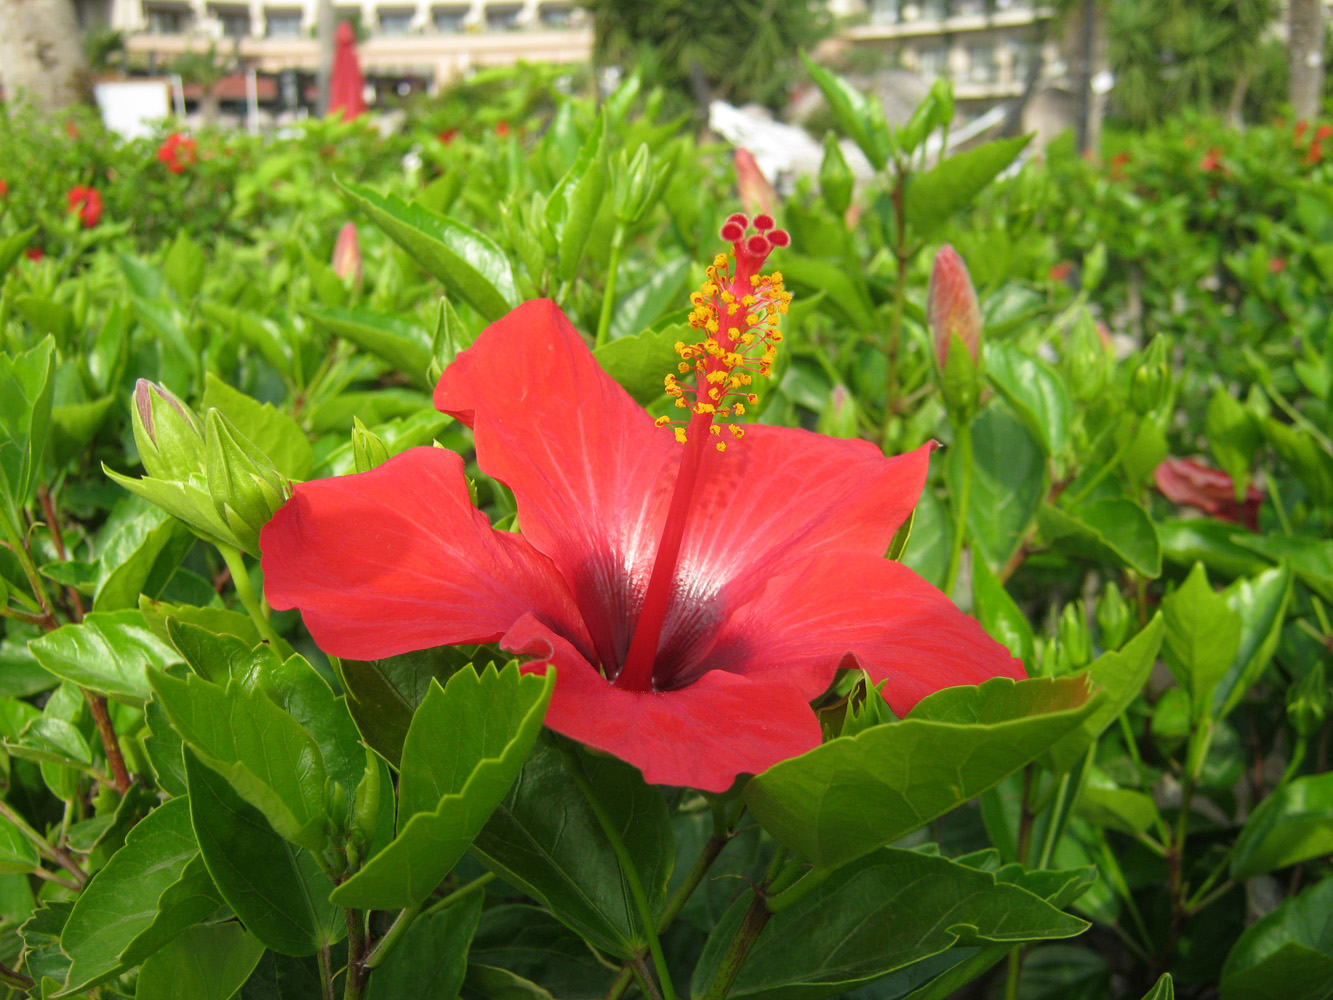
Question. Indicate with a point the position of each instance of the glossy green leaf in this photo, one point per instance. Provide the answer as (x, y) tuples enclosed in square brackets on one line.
[(847, 299), (935, 195), (138, 550), (207, 962), (843, 799), (403, 343), (1286, 953), (1121, 674), (12, 245), (1108, 807), (276, 888), (1000, 616), (1293, 824), (264, 335), (432, 958), (219, 620), (17, 855), (861, 118), (639, 362), (574, 203), (218, 657), (1163, 989), (297, 688), (1009, 480), (529, 942), (1213, 543), (1114, 530), (271, 761), (1202, 637), (1260, 605), (1311, 559), (466, 744), (545, 840), (110, 652), (884, 913), (151, 890), (184, 266), (26, 387), (1036, 392), (269, 429), (663, 291), (469, 263)]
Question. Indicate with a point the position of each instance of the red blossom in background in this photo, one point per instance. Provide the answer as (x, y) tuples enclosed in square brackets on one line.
[(1061, 271), (448, 135), (1193, 484), (88, 203), (34, 253), (347, 254), (502, 129), (4, 188), (693, 600), (1277, 265), (177, 152), (1118, 163), (1211, 162)]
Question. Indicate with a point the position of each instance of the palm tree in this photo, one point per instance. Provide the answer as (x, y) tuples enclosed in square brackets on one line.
[(41, 60), (1305, 55)]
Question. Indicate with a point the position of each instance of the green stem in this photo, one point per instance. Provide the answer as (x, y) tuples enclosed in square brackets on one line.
[(789, 897), (356, 954), (1112, 464), (963, 442), (392, 936), (621, 983), (751, 924), (575, 767), (52, 854), (240, 578), (609, 293), (325, 974), (691, 882), (1276, 497), (476, 885)]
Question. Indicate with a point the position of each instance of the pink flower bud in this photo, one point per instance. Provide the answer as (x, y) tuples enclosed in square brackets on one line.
[(757, 195), (347, 254), (951, 305)]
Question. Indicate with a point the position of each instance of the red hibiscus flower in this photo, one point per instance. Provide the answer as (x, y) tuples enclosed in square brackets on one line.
[(177, 152), (693, 599), (448, 135), (1185, 481), (502, 129), (88, 203), (1323, 132), (1211, 162), (34, 253), (4, 188)]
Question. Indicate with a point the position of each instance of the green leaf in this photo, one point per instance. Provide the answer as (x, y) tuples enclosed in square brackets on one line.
[(1124, 809), (1036, 392), (27, 382), (269, 429), (1121, 674), (271, 761), (860, 118), (641, 307), (1009, 480), (17, 855), (467, 742), (432, 958), (382, 695), (138, 549), (1000, 616), (468, 262), (219, 620), (1310, 559), (151, 890), (841, 800), (545, 840), (110, 652), (1287, 953), (528, 941), (403, 343), (1202, 638), (1292, 825), (1114, 530), (884, 913), (574, 202), (184, 266), (1260, 605), (639, 362), (847, 297), (1213, 543), (935, 195), (1163, 989), (207, 962), (258, 332), (276, 888), (298, 689), (42, 957), (11, 246), (1234, 435)]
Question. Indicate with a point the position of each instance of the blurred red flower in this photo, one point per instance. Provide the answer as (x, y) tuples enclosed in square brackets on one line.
[(177, 152), (88, 203), (1193, 484)]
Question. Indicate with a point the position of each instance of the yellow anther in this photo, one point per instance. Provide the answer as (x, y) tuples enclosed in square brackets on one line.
[(748, 300), (712, 325), (680, 435), (714, 429), (683, 367), (739, 408), (661, 421), (722, 446), (733, 309), (737, 431), (751, 398), (680, 401), (720, 260), (702, 408), (751, 319)]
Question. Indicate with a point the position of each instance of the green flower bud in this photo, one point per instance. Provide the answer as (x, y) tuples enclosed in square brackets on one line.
[(1086, 360), (1075, 642), (839, 416), (1114, 618), (368, 450), (1150, 385), (246, 489), (631, 184), (366, 810), (523, 237), (166, 432), (835, 177), (1307, 702)]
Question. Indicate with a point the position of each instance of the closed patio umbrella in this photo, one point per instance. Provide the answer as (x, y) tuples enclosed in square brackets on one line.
[(346, 82)]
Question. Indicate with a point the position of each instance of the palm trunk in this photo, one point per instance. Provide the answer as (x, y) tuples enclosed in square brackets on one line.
[(1305, 55), (41, 60)]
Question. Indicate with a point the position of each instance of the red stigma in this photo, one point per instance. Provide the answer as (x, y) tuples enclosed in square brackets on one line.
[(779, 238), (740, 218), (732, 232), (764, 222), (758, 246)]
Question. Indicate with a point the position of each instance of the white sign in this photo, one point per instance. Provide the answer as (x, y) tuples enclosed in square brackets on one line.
[(133, 108)]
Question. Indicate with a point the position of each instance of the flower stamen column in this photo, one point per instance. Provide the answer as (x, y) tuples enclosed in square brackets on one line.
[(737, 312)]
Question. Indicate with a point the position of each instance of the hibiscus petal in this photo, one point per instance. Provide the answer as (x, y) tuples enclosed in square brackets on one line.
[(895, 626), (701, 736), (397, 559), (590, 472)]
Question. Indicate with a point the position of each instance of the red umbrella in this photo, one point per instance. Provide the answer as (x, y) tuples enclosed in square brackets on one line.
[(346, 82)]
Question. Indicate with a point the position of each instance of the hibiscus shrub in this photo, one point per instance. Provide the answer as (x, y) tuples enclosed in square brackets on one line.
[(481, 562)]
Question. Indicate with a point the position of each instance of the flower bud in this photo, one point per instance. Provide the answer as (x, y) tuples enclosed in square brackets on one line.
[(368, 450), (951, 306), (1086, 360), (366, 809), (631, 185), (835, 177), (1075, 642), (347, 254), (166, 432), (1307, 702), (246, 489), (1150, 385), (1113, 618), (839, 416), (756, 193)]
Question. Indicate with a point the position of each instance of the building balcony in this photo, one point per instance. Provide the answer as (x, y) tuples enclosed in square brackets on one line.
[(953, 24)]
